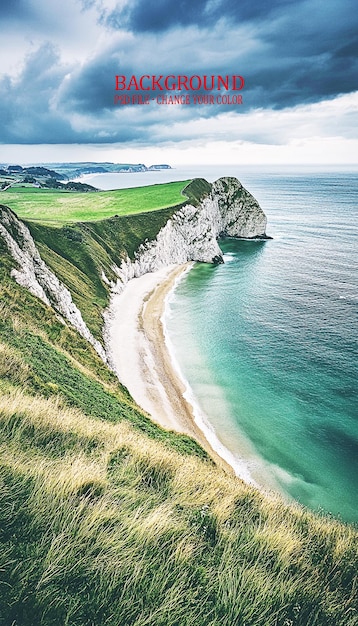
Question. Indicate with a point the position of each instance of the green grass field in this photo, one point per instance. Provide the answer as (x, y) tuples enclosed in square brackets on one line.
[(59, 207)]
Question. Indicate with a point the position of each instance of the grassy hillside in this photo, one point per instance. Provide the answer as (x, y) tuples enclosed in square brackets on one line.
[(81, 253), (105, 518), (59, 207)]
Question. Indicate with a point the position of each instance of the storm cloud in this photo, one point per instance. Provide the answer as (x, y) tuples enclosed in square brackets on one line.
[(58, 84), (161, 15)]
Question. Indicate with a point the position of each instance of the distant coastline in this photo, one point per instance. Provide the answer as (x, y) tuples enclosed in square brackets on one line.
[(71, 176), (75, 170)]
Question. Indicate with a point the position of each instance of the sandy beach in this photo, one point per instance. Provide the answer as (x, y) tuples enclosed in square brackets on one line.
[(136, 340)]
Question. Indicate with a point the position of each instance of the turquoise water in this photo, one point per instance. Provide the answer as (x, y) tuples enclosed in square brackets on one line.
[(268, 340)]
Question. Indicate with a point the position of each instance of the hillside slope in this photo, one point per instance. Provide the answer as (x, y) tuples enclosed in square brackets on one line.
[(107, 519)]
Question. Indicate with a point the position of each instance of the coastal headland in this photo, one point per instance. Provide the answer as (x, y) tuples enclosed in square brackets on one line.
[(136, 279)]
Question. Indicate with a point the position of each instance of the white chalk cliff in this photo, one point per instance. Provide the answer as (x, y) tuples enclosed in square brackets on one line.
[(192, 232), (34, 274)]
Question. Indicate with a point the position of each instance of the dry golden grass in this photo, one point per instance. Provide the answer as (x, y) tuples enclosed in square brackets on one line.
[(112, 502), (12, 365), (120, 529)]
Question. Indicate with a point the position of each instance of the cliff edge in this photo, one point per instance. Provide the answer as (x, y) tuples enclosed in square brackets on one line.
[(77, 268), (223, 209)]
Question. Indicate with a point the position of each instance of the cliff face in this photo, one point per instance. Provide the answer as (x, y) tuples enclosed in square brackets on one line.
[(240, 215), (224, 208), (192, 232), (34, 274)]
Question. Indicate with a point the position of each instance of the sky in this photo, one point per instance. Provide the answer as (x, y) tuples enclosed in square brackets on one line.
[(59, 60)]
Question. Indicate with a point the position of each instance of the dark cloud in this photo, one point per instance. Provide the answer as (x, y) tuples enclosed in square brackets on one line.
[(301, 80), (302, 51), (34, 110), (312, 53), (276, 75), (90, 90), (349, 50), (25, 102), (160, 15), (290, 53), (13, 8)]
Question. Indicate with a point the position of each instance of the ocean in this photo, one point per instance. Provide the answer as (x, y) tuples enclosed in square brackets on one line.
[(267, 342)]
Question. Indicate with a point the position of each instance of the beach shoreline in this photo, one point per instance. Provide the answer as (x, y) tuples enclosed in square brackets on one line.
[(142, 355), (137, 344)]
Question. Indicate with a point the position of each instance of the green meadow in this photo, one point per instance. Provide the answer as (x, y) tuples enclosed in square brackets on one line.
[(59, 206)]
